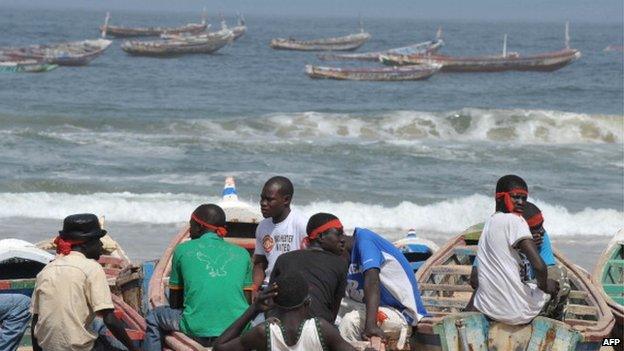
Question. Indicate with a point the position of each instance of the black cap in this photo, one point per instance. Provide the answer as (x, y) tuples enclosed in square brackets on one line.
[(83, 226)]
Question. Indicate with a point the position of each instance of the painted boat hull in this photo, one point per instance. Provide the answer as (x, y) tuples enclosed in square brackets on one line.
[(443, 281), (176, 47), (547, 62), (78, 53), (425, 48), (127, 32), (404, 73), (346, 43)]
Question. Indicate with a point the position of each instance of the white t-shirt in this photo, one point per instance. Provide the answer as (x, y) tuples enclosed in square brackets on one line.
[(504, 294), (273, 239)]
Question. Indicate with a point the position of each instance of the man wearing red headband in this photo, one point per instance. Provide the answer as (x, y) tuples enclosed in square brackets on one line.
[(206, 284), (321, 264), (72, 290), (504, 292)]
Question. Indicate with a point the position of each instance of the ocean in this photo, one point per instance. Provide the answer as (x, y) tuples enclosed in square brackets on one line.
[(143, 141)]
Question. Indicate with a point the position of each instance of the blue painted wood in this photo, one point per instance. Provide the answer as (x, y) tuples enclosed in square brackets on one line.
[(469, 328), (552, 335), (148, 271)]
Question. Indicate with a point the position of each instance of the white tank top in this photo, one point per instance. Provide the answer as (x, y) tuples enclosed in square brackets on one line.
[(309, 338)]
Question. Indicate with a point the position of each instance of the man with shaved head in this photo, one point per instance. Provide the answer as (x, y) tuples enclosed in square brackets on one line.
[(206, 284), (282, 230)]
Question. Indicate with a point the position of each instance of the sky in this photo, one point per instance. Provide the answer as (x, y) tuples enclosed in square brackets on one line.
[(598, 11)]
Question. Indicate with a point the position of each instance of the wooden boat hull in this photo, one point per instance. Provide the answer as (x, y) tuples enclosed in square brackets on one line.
[(542, 63), (126, 32), (176, 47), (425, 48), (608, 275), (242, 220), (416, 250), (346, 43), (78, 53), (443, 281), (372, 74), (239, 31), (21, 67)]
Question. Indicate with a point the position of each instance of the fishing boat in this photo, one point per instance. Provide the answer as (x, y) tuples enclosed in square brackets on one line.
[(77, 53), (239, 30), (415, 249), (242, 220), (425, 48), (9, 65), (344, 43), (126, 32), (206, 43), (21, 261), (545, 62), (614, 48), (609, 277), (445, 289), (415, 72)]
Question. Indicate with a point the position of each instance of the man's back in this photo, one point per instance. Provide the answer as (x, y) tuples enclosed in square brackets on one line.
[(503, 294), (213, 274), (326, 274), (68, 292)]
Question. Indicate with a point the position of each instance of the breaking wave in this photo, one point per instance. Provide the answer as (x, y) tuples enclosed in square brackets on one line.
[(449, 216)]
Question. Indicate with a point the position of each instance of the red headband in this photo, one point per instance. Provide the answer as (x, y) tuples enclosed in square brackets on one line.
[(536, 220), (506, 195), (64, 246), (221, 231), (333, 224)]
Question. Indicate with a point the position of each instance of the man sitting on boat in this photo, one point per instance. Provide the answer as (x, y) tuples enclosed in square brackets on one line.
[(289, 328), (72, 290), (505, 292), (321, 264), (206, 284), (14, 317), (282, 230), (383, 296)]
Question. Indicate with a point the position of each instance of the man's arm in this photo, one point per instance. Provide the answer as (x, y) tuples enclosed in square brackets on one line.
[(35, 343), (528, 248), (117, 328), (231, 339), (332, 337), (474, 278), (372, 296), (176, 298), (260, 264)]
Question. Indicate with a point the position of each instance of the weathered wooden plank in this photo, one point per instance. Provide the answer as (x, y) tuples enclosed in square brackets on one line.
[(445, 287), (578, 294), (582, 310), (455, 302), (470, 250), (573, 321), (451, 269)]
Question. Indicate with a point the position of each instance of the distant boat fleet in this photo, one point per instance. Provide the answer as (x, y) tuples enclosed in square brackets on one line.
[(417, 61)]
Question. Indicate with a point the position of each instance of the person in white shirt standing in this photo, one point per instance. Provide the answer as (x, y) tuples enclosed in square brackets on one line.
[(504, 292), (282, 230)]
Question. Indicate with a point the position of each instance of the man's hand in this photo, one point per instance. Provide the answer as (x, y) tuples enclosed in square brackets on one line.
[(552, 287), (373, 330), (538, 239), (264, 298)]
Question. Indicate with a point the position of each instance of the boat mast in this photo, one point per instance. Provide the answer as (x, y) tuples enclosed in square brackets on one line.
[(223, 24), (567, 35), (361, 23), (439, 33), (105, 27), (505, 45), (204, 15)]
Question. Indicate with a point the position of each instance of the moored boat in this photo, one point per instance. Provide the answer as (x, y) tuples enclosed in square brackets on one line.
[(608, 276), (206, 43), (76, 53), (242, 220), (415, 72), (344, 43), (24, 66), (415, 249), (125, 32), (424, 48), (444, 284)]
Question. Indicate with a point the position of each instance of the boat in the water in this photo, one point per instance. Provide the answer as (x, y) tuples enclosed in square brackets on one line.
[(608, 276), (9, 65), (344, 43), (403, 73), (75, 53), (242, 220), (545, 62), (239, 29), (424, 48), (416, 250), (126, 32), (203, 43), (21, 261), (445, 289), (614, 48)]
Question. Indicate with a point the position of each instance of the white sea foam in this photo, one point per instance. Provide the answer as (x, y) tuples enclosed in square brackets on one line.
[(449, 216)]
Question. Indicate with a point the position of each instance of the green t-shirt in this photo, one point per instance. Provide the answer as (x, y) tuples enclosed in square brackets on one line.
[(212, 273)]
